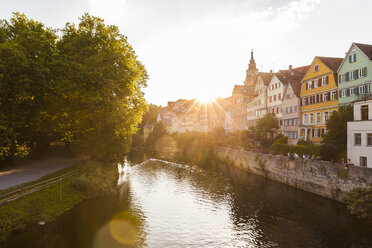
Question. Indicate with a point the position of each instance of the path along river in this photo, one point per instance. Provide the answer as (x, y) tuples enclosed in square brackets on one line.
[(163, 204)]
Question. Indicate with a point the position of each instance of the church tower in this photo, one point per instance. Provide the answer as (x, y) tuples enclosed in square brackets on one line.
[(251, 72)]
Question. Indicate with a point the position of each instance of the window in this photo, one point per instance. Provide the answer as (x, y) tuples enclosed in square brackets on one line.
[(363, 161), (316, 133), (343, 93), (280, 96), (274, 98), (352, 58), (326, 116), (270, 99), (369, 139), (324, 81), (333, 95), (316, 68), (351, 75), (325, 97), (303, 101), (352, 91), (309, 85), (295, 109), (311, 118), (361, 89), (304, 119), (316, 83), (364, 112), (357, 139), (318, 118), (360, 73)]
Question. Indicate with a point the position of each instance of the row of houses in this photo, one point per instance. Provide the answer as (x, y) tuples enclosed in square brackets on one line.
[(302, 98)]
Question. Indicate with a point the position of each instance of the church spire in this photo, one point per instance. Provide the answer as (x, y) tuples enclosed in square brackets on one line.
[(252, 63)]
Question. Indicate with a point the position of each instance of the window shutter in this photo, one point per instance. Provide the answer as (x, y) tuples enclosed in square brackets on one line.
[(328, 96), (347, 92), (356, 90), (339, 78), (349, 58), (307, 86), (365, 72), (347, 76), (320, 82), (326, 80), (366, 88), (356, 74), (313, 131)]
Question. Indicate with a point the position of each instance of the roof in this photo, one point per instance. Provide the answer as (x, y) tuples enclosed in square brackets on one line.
[(295, 83), (266, 77), (366, 49), (301, 69), (243, 90), (332, 63)]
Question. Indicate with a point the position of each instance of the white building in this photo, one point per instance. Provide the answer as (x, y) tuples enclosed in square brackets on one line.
[(359, 134)]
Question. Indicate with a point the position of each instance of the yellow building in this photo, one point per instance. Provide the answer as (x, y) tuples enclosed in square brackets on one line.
[(319, 97)]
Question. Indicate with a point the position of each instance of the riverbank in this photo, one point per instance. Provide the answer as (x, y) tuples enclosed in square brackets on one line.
[(93, 179), (323, 178)]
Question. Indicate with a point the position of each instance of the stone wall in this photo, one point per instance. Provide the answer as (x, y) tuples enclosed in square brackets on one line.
[(324, 178)]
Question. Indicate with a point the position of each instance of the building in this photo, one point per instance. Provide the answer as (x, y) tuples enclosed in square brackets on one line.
[(355, 74), (359, 134), (257, 108), (275, 91), (242, 95), (291, 104), (318, 97)]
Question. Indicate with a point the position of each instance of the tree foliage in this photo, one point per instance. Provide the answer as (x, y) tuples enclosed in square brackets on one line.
[(266, 129), (335, 141), (83, 88)]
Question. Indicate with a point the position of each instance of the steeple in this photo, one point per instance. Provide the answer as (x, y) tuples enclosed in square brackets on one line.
[(252, 63), (251, 72)]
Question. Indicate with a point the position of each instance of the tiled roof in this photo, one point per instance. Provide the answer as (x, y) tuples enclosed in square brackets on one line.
[(332, 63), (301, 69), (266, 77), (243, 90), (296, 85), (366, 49)]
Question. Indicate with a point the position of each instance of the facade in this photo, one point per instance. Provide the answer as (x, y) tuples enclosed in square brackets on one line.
[(318, 97), (359, 134), (275, 91), (257, 108), (242, 95), (355, 74)]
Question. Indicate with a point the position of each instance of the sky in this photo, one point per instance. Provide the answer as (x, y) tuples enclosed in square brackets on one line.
[(201, 48)]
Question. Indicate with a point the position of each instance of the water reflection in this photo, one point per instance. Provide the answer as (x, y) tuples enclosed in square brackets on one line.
[(165, 204)]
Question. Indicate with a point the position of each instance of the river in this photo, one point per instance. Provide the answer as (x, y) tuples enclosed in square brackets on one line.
[(164, 204)]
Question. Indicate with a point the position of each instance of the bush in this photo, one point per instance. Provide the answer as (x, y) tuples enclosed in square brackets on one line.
[(359, 203), (281, 146), (96, 179)]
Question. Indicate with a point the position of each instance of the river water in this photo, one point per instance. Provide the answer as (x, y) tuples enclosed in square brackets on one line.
[(164, 204)]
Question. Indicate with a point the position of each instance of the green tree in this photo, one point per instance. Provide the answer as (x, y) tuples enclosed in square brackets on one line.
[(27, 80), (99, 89), (158, 131), (267, 129), (335, 141)]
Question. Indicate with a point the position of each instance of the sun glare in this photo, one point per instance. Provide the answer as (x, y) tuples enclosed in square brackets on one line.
[(206, 99)]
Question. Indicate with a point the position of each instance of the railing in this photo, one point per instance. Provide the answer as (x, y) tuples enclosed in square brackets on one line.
[(17, 193)]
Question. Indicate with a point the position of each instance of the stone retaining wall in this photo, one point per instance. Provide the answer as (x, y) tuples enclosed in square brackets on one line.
[(324, 178)]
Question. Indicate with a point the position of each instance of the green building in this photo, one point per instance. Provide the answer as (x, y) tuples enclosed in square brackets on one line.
[(355, 74)]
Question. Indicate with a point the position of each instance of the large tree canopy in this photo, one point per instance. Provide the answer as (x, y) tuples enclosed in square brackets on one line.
[(83, 87)]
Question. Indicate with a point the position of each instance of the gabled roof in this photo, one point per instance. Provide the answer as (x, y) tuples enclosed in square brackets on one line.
[(266, 77), (331, 62), (365, 48), (301, 69), (243, 90), (296, 85)]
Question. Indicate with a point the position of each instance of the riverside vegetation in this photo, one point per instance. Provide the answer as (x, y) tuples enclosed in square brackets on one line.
[(94, 179)]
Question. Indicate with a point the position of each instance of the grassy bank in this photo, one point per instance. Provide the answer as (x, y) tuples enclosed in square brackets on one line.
[(94, 179)]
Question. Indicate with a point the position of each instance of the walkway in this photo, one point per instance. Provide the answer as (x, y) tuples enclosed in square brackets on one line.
[(31, 170)]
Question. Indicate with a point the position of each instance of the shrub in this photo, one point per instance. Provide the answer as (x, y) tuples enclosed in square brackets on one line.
[(359, 203), (96, 179)]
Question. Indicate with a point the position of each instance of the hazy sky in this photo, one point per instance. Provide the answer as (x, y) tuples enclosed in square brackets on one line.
[(201, 48)]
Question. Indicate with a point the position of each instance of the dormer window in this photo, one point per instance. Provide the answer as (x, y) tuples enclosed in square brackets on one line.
[(316, 68)]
